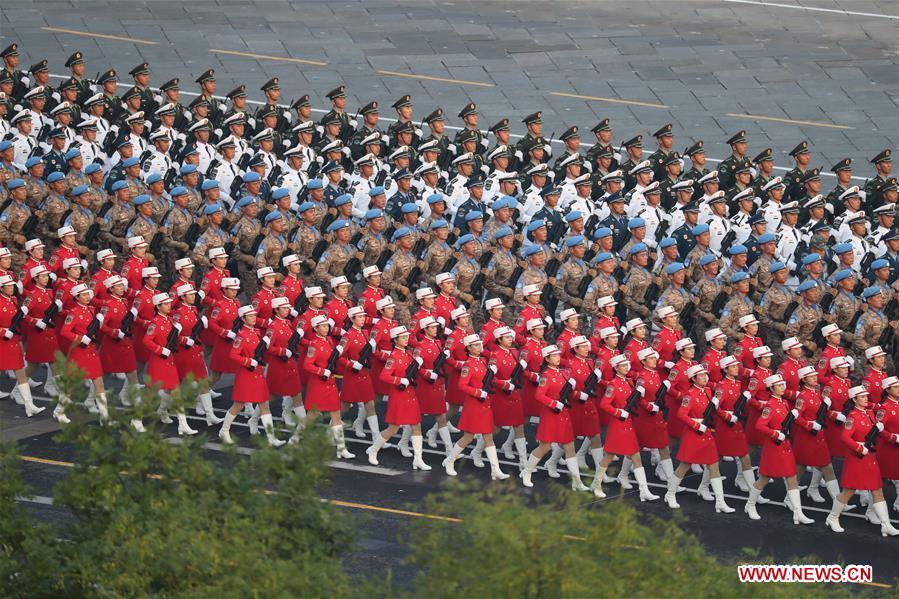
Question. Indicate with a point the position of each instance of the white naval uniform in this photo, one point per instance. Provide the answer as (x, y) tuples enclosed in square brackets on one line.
[(771, 210), (719, 227), (156, 162), (653, 216), (740, 223), (533, 203), (23, 146), (206, 154), (293, 181)]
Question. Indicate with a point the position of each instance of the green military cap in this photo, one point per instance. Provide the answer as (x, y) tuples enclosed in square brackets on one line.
[(697, 148), (39, 67), (301, 102), (801, 148), (337, 92), (666, 131), (743, 166), (602, 125), (738, 137), (764, 156), (570, 133), (10, 50), (238, 92), (469, 109), (634, 142), (843, 165), (171, 84), (207, 75), (109, 75), (75, 58), (403, 101), (813, 174), (437, 115), (501, 125), (885, 156), (273, 83), (141, 69), (535, 118), (369, 108)]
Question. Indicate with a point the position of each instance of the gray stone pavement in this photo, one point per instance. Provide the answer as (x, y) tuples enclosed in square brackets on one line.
[(696, 63)]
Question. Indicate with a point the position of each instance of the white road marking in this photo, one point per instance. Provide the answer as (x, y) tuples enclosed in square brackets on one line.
[(814, 8)]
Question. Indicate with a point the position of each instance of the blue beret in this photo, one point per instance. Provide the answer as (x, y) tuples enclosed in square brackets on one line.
[(530, 250), (572, 216), (5, 145), (432, 199), (636, 223), (878, 264), (371, 214), (776, 266), (639, 247), (871, 292), (339, 201), (810, 259), (209, 184), (58, 176), (73, 153), (410, 207), (842, 248), (248, 177), (767, 238), (439, 224), (700, 229), (129, 162), (34, 161), (305, 206), (178, 190), (141, 199), (338, 224), (120, 184), (738, 249), (190, 168), (473, 215), (602, 257), (674, 267), (739, 276), (806, 286), (502, 232), (80, 189), (464, 239), (246, 201), (92, 168), (17, 183), (574, 240), (275, 215), (602, 232), (535, 224), (314, 184), (212, 208), (667, 242), (841, 275), (400, 233), (152, 178), (707, 259)]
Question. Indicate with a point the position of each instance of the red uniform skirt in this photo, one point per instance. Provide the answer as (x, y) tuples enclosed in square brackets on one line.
[(730, 439), (221, 357), (651, 429), (454, 395), (753, 436), (402, 406), (809, 449), (87, 360), (477, 416), (529, 403), (163, 372), (695, 448), (321, 395), (11, 354), (555, 428), (250, 386), (584, 418), (888, 458), (189, 360), (621, 438), (675, 426), (833, 434), (861, 473), (140, 350), (41, 346), (431, 397), (377, 366), (117, 356), (508, 408), (283, 378), (778, 461)]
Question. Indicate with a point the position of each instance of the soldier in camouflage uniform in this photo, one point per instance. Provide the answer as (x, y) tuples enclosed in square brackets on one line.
[(80, 217), (871, 326), (214, 236), (54, 207), (702, 237), (675, 295), (805, 319), (739, 305), (602, 285), (13, 219), (533, 273), (396, 273), (572, 271), (498, 281), (95, 189), (143, 224), (373, 241), (275, 243), (704, 292), (339, 252), (772, 307), (437, 253), (636, 283), (38, 189), (845, 304), (761, 268), (115, 223), (306, 236), (244, 233)]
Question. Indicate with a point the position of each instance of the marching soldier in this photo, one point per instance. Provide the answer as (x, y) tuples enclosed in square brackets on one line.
[(883, 164), (805, 319), (396, 273), (438, 252), (244, 233), (773, 304), (568, 280), (727, 169), (533, 273), (872, 324), (739, 305), (637, 281), (13, 219), (339, 252)]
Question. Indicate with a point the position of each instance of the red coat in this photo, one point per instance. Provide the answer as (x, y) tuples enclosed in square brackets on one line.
[(40, 345), (823, 366), (778, 460), (837, 390), (116, 355), (477, 413), (650, 425), (663, 343), (809, 446), (11, 355), (508, 409), (402, 404), (458, 357), (584, 414), (383, 348), (101, 294), (173, 292), (143, 301), (730, 439), (743, 350), (759, 397), (357, 387), (530, 352), (291, 287), (554, 427), (621, 437), (282, 374), (321, 394), (212, 286), (61, 254), (680, 386), (414, 327), (789, 370), (27, 281), (711, 361), (486, 333), (887, 446), (431, 394), (262, 301), (860, 473), (528, 312), (132, 270), (73, 329), (631, 349), (249, 382), (443, 308), (369, 298), (221, 320), (161, 370), (696, 447), (563, 342), (189, 360), (872, 383), (304, 321), (337, 311)]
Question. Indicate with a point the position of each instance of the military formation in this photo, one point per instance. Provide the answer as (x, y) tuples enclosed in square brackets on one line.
[(638, 301)]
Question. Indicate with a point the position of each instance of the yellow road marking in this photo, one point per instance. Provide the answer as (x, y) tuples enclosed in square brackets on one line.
[(756, 117), (101, 35), (268, 57), (429, 78), (613, 100), (28, 458)]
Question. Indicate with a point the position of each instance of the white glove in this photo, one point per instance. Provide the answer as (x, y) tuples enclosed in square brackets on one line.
[(266, 340), (165, 352), (133, 311), (99, 316), (341, 332), (702, 428), (584, 396), (559, 405), (510, 387), (667, 383), (189, 342), (641, 390), (339, 349), (357, 366), (404, 382), (372, 343), (714, 401), (624, 414), (201, 295), (895, 439), (301, 332), (572, 382), (669, 365), (781, 436), (840, 417), (523, 363), (231, 335), (84, 339), (433, 376), (120, 334), (8, 334), (288, 354), (483, 395), (864, 450), (294, 313), (826, 401), (816, 427), (794, 412), (747, 394), (421, 362), (253, 363), (732, 418), (548, 321), (41, 325), (327, 374), (654, 409), (879, 426)]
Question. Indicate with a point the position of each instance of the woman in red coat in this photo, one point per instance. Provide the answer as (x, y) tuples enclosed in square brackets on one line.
[(685, 351), (778, 460), (321, 386), (11, 355), (143, 301), (652, 430), (357, 386), (189, 357), (809, 444), (249, 382), (836, 389), (282, 375), (534, 343), (431, 388), (637, 333), (508, 410), (758, 393), (381, 334), (82, 347), (697, 441), (221, 325), (620, 401), (861, 472), (730, 437), (888, 443), (555, 419), (41, 343), (161, 369), (584, 408), (477, 412), (402, 403), (458, 356)]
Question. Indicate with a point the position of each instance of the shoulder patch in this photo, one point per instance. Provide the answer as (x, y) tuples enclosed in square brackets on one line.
[(848, 424), (822, 364), (215, 312), (310, 352), (685, 401), (176, 317), (150, 330), (825, 392), (753, 383), (465, 370), (237, 342), (69, 318), (609, 391), (880, 415), (766, 412), (799, 403), (673, 374), (541, 382)]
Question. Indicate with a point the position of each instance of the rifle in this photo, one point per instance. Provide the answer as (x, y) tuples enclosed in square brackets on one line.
[(317, 250), (198, 328), (827, 301), (90, 236), (155, 243), (591, 225), (413, 278), (128, 321), (450, 263), (29, 226), (662, 230), (332, 359), (686, 317), (237, 325), (171, 341), (786, 428), (651, 295), (259, 354), (871, 438), (855, 317), (419, 247), (192, 233), (718, 303), (740, 408), (383, 257), (552, 267), (728, 240), (708, 416), (440, 361), (885, 341), (412, 373), (293, 342), (660, 399), (17, 320), (821, 415), (565, 393), (51, 313), (788, 311), (92, 329), (487, 383), (847, 407), (584, 285), (518, 371), (631, 406)]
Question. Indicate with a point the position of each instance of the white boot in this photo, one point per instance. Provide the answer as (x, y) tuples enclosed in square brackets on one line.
[(340, 443), (833, 518), (749, 508), (645, 494), (137, 425), (30, 408), (183, 426), (199, 410), (418, 463), (667, 468), (253, 422), (50, 384), (403, 445), (269, 426), (814, 491), (833, 488), (450, 460), (509, 444), (287, 411), (623, 477), (870, 513), (445, 438), (59, 412), (703, 490), (373, 425), (359, 422), (529, 469), (695, 468), (886, 527), (225, 431), (205, 400), (596, 485), (581, 454), (431, 437), (796, 502), (125, 394), (896, 503), (163, 410), (721, 506), (496, 472), (552, 464), (477, 454), (102, 407), (521, 448), (739, 479), (17, 395), (374, 448), (671, 494), (661, 473), (299, 413), (749, 477), (575, 473)]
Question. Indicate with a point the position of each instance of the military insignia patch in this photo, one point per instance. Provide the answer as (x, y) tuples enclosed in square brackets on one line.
[(825, 392), (753, 383), (799, 403), (738, 350), (766, 412), (310, 352), (465, 370), (541, 382), (69, 318), (150, 330), (609, 391), (848, 424), (301, 323), (673, 374), (215, 313), (880, 415), (685, 402), (204, 284), (822, 363)]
